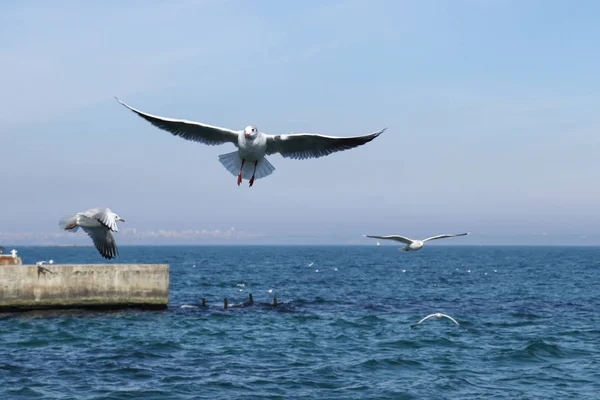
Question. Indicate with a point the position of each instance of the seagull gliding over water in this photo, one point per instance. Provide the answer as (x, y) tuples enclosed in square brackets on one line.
[(98, 223), (437, 315), (414, 245)]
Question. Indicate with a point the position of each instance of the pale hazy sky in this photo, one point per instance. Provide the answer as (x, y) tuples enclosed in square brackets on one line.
[(491, 109)]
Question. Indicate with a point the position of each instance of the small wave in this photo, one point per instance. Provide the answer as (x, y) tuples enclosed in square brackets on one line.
[(400, 344), (361, 322), (34, 343), (534, 350), (12, 368), (525, 315), (441, 341), (506, 324), (375, 364), (540, 348), (304, 302)]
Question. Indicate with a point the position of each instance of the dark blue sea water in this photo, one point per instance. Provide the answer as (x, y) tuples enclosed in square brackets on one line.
[(529, 327)]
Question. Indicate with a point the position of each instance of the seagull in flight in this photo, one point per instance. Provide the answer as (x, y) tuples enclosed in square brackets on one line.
[(414, 245), (248, 161), (436, 315), (99, 224)]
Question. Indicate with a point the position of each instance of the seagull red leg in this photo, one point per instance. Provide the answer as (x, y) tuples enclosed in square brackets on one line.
[(240, 173), (253, 172)]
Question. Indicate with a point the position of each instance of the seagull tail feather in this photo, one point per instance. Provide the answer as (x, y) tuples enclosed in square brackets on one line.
[(69, 222), (264, 168), (232, 163)]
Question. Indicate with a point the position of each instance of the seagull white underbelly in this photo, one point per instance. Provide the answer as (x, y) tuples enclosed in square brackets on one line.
[(250, 152), (88, 222), (416, 245)]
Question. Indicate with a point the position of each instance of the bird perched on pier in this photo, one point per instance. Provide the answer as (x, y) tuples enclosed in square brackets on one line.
[(414, 245), (248, 161), (436, 315), (99, 224)]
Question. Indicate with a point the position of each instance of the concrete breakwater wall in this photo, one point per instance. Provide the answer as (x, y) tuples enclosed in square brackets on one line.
[(26, 287)]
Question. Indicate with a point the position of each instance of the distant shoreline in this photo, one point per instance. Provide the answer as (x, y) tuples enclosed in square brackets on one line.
[(61, 245), (299, 245)]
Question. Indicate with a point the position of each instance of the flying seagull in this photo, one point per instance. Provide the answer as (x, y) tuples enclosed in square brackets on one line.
[(99, 224), (248, 161), (414, 245), (437, 315)]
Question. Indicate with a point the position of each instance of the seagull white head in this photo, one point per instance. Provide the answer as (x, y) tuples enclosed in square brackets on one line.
[(117, 218), (250, 131)]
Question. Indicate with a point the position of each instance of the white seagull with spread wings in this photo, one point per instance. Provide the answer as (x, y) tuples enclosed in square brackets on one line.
[(98, 223), (414, 245), (248, 161), (436, 315)]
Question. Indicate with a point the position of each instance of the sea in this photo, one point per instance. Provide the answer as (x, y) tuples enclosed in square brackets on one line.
[(529, 327)]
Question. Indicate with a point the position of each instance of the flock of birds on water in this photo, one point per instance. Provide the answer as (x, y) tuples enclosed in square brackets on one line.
[(247, 162)]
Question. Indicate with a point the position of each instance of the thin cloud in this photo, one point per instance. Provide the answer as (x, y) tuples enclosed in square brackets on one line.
[(133, 235), (230, 234)]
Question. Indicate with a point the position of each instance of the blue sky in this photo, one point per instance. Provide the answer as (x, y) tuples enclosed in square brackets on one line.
[(491, 108)]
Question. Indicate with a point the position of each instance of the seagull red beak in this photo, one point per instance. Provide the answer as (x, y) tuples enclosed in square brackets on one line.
[(247, 135), (121, 219)]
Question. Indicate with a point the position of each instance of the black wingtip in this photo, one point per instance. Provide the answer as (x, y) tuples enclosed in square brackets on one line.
[(375, 134), (123, 103)]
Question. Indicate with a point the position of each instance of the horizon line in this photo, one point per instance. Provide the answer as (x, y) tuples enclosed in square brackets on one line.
[(6, 246)]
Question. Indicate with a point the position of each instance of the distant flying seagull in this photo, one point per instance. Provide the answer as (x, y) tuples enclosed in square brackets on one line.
[(98, 223), (249, 161), (414, 245), (437, 315)]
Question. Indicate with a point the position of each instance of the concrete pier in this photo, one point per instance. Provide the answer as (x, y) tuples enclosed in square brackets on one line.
[(28, 287)]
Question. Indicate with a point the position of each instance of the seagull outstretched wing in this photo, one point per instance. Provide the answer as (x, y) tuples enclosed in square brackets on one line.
[(190, 130), (396, 238), (445, 236), (104, 216), (103, 240), (309, 145), (438, 315)]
